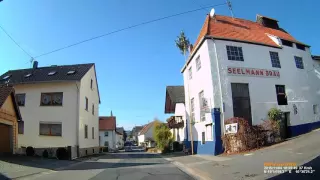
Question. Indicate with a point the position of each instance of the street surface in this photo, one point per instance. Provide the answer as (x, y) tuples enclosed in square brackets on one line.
[(118, 166)]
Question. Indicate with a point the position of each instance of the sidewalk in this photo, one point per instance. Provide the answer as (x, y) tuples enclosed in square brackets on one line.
[(303, 150)]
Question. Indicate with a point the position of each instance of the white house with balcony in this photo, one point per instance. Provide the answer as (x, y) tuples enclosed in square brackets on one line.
[(244, 68), (174, 104), (60, 108)]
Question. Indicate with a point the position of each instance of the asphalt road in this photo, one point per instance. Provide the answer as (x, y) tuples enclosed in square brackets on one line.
[(119, 166)]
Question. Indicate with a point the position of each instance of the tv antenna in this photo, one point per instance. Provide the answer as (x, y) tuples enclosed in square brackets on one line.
[(230, 7)]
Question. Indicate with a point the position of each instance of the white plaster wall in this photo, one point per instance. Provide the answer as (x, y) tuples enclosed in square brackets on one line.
[(32, 113), (201, 80), (119, 140), (180, 110), (111, 138), (141, 139), (86, 117), (301, 85)]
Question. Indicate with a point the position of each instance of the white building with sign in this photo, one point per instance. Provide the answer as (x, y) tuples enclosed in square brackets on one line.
[(245, 68)]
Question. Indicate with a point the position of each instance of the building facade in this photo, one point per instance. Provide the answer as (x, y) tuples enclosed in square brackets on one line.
[(107, 131), (244, 69), (60, 106), (10, 121)]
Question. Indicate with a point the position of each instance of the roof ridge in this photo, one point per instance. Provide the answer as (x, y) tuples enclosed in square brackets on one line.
[(52, 66)]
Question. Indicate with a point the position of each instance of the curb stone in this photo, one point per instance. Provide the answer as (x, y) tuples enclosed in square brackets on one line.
[(196, 174)]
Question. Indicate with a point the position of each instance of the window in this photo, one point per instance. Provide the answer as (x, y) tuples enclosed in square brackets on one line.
[(281, 95), (301, 47), (91, 84), (27, 75), (50, 129), (198, 63), (92, 132), (190, 73), (71, 72), (86, 104), (21, 99), (203, 137), (286, 43), (51, 99), (106, 133), (106, 143), (20, 127), (275, 59), (315, 109), (192, 110), (235, 53), (86, 131), (299, 62), (92, 109), (52, 73), (202, 114), (6, 77)]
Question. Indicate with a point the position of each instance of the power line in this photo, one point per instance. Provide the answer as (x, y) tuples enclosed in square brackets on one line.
[(126, 28), (15, 42)]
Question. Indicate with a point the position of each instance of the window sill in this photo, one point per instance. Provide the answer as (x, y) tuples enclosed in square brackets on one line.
[(48, 135), (51, 105)]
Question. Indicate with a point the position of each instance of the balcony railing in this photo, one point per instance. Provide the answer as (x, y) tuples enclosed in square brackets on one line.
[(175, 122)]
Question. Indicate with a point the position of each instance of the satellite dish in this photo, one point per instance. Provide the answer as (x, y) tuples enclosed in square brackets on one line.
[(212, 13)]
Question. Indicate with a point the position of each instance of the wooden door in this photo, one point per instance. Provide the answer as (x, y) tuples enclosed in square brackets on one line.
[(5, 139)]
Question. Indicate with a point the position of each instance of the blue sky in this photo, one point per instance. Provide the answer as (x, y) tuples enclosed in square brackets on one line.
[(133, 66)]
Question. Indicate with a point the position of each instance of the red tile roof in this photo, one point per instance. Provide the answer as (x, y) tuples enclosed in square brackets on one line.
[(236, 29), (147, 127), (240, 29), (107, 123)]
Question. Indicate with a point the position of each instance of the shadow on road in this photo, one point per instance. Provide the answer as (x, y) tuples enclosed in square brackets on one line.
[(104, 165), (3, 177), (314, 164)]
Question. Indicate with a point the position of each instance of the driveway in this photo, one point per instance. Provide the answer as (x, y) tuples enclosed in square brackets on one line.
[(118, 166)]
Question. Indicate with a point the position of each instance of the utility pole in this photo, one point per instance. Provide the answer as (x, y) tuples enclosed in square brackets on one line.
[(190, 114)]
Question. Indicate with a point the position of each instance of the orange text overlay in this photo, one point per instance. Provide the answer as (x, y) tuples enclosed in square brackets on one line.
[(287, 164)]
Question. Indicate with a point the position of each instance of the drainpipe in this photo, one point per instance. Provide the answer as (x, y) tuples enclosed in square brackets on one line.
[(220, 85), (77, 122)]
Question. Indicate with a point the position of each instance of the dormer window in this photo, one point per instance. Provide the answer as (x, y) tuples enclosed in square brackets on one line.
[(6, 77), (71, 72), (27, 75), (52, 73)]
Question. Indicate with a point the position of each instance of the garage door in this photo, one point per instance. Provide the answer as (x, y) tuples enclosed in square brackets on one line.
[(4, 138)]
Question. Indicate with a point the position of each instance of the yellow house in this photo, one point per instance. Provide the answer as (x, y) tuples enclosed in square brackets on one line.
[(10, 117)]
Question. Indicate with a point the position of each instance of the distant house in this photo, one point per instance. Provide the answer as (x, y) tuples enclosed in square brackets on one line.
[(119, 139), (60, 105), (145, 136), (10, 120), (107, 131), (135, 131), (175, 105)]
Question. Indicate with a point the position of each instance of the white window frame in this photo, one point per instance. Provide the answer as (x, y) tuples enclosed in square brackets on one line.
[(202, 115), (198, 63), (190, 72), (192, 110)]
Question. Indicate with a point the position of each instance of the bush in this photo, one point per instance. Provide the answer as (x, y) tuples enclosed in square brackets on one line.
[(247, 137), (45, 154), (62, 154), (30, 151), (275, 114), (162, 135)]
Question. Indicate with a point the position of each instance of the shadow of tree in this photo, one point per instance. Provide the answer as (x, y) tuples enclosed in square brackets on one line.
[(314, 164)]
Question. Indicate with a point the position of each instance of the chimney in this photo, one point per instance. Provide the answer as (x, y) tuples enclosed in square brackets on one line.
[(35, 64)]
